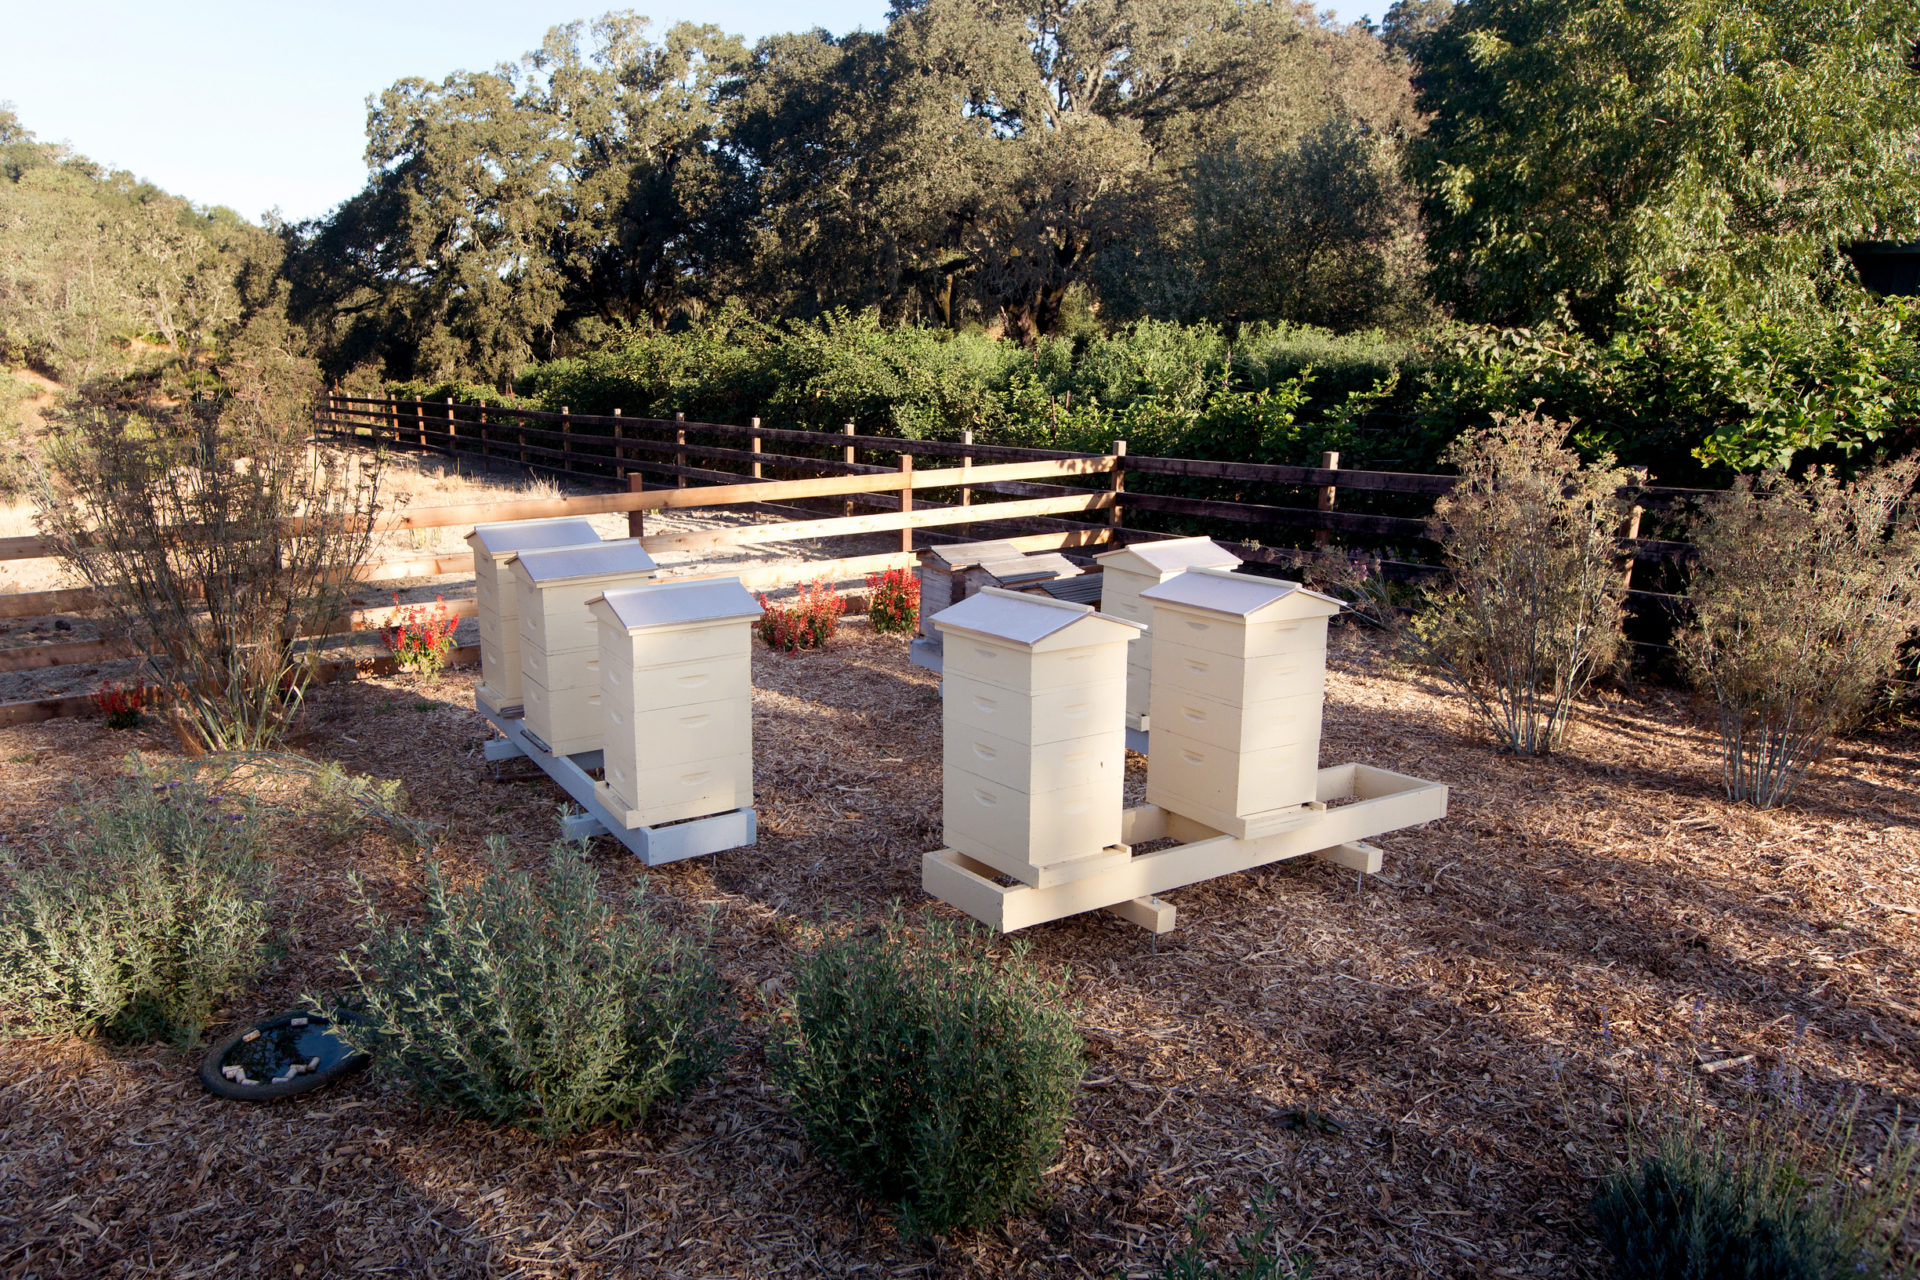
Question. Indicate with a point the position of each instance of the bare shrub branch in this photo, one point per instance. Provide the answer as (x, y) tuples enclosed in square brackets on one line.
[(1803, 594), (178, 512)]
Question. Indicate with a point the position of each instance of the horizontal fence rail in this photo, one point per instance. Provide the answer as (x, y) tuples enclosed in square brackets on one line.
[(1050, 498)]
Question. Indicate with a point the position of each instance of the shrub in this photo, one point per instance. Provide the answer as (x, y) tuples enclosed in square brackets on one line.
[(1756, 1206), (422, 638), (894, 602), (807, 621), (156, 910), (1529, 612), (528, 1000), (179, 508), (1803, 594), (1256, 1257), (938, 1080)]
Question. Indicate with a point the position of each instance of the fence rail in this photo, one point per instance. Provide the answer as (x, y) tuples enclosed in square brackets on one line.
[(1041, 499)]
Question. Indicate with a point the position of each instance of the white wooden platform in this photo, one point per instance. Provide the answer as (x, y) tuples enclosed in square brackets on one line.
[(652, 845), (1355, 802)]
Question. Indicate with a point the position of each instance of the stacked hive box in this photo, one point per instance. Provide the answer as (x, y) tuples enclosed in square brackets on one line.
[(498, 602), (676, 700), (559, 650), (942, 580), (1034, 735), (1239, 669), (1124, 574)]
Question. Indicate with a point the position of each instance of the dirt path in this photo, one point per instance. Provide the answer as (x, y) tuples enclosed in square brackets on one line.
[(1579, 931)]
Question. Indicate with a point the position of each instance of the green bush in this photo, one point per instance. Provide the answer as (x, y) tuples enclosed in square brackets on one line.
[(1756, 1205), (529, 1000), (1255, 1256), (155, 911), (937, 1079)]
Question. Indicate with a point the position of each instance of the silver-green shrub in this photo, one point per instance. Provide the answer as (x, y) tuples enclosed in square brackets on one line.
[(155, 909), (938, 1079), (529, 1000)]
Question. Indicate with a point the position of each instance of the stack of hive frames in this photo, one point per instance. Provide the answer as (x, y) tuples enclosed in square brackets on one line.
[(1239, 673), (1034, 746), (559, 647), (497, 600), (1129, 571), (676, 693), (942, 580)]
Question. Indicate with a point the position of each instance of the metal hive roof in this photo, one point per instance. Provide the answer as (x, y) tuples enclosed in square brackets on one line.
[(1239, 594), (529, 535), (1173, 555), (1027, 619), (603, 559), (679, 604)]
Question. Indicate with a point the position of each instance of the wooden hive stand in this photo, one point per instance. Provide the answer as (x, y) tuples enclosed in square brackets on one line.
[(497, 600), (1237, 679)]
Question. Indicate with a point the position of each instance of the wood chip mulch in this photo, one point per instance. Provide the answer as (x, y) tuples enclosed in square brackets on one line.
[(1425, 1072)]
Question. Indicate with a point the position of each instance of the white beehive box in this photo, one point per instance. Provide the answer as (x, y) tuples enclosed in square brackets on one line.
[(559, 646), (940, 583), (676, 699), (1034, 737), (1239, 673), (497, 602), (1124, 574)]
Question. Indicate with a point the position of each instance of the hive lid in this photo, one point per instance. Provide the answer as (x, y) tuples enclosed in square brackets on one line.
[(679, 604), (1172, 555), (964, 555), (1241, 595), (1084, 589), (1034, 568), (1037, 621), (529, 535), (603, 559)]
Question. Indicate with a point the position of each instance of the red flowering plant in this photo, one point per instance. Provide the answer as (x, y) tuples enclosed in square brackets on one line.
[(893, 602), (807, 621), (422, 638), (122, 704)]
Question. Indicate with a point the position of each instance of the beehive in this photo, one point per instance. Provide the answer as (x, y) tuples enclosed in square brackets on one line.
[(1018, 572), (942, 583), (1124, 574), (1034, 744), (676, 699), (1239, 670), (498, 603), (559, 648)]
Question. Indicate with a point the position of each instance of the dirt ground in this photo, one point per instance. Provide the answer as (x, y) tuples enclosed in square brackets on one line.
[(1426, 1071)]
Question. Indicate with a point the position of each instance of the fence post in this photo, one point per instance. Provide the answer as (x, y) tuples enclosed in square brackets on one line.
[(756, 448), (966, 465), (1329, 461), (420, 421), (566, 439), (636, 520), (680, 458), (521, 424), (453, 437), (486, 452), (387, 416), (1119, 485), (846, 508), (906, 500), (1632, 531), (619, 450)]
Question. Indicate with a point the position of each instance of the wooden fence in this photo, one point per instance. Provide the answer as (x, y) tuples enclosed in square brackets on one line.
[(1042, 499)]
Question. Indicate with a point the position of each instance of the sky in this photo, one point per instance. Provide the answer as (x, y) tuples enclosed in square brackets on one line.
[(262, 106)]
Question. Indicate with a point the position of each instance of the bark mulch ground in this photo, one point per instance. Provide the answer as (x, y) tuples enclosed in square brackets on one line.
[(1425, 1072)]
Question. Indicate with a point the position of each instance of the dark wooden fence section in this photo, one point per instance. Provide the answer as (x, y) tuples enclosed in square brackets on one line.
[(1231, 500)]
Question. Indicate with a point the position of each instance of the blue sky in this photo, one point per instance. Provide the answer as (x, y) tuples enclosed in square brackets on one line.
[(260, 106)]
